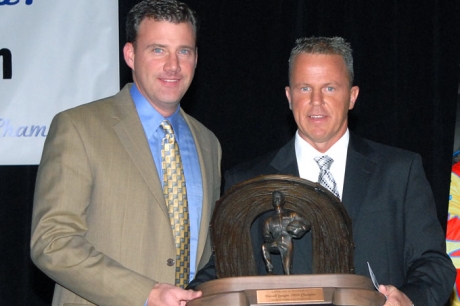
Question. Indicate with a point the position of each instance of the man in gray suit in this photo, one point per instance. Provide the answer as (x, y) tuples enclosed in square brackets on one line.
[(383, 189), (101, 227)]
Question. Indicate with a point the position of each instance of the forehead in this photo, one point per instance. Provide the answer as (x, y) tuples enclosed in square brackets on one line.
[(319, 65), (151, 29)]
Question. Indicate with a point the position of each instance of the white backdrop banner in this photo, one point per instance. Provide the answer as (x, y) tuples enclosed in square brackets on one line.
[(54, 55)]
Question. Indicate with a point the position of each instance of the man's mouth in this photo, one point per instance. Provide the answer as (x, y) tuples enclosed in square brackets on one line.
[(170, 80)]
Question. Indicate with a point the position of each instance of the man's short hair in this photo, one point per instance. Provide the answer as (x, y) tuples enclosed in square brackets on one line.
[(159, 10), (324, 45)]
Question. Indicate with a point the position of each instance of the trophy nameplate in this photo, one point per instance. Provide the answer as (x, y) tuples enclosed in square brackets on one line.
[(291, 296)]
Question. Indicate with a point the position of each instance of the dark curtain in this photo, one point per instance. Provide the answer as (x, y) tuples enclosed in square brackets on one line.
[(406, 64)]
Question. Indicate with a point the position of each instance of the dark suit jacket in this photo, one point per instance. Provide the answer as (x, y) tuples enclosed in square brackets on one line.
[(395, 227)]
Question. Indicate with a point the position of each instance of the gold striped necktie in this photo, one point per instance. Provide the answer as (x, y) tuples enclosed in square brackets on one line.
[(176, 199)]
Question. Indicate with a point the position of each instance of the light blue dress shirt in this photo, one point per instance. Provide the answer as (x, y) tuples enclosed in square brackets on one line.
[(151, 120)]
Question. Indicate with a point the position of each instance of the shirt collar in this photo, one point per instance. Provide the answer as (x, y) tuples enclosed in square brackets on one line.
[(336, 152)]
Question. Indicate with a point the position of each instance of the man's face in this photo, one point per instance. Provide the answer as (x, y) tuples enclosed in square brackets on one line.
[(320, 97), (163, 62)]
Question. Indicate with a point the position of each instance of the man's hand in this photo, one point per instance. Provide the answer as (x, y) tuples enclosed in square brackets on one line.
[(169, 295), (394, 296)]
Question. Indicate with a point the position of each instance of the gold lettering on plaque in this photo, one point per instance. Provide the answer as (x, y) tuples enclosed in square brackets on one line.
[(290, 295)]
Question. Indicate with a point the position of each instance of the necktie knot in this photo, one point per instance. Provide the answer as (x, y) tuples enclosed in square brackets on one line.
[(324, 162), (169, 132), (325, 177)]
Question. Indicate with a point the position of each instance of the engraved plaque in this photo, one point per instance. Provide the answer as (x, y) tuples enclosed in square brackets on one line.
[(290, 295)]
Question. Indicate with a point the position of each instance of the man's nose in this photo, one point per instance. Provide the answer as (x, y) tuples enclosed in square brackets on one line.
[(316, 98), (172, 63)]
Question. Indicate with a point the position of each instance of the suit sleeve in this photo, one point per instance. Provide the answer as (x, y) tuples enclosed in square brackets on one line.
[(205, 274), (430, 274), (59, 224)]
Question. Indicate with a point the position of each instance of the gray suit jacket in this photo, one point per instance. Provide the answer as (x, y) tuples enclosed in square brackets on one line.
[(100, 226), (393, 213)]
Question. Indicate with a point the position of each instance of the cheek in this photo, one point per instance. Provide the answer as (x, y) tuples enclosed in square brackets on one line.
[(188, 66), (142, 66), (300, 114), (300, 105)]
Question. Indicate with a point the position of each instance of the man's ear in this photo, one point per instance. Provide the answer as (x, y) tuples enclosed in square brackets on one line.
[(354, 92), (196, 57), (288, 96), (128, 53)]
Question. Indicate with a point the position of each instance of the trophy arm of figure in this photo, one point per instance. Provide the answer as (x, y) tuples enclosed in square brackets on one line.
[(298, 227)]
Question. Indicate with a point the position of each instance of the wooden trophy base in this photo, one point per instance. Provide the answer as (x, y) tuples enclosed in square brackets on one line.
[(315, 289)]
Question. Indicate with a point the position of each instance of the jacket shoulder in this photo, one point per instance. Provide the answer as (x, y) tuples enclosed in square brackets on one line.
[(122, 100), (199, 127), (380, 152), (249, 169)]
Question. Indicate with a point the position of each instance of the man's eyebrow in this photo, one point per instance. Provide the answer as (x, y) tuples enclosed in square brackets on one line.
[(187, 47), (154, 45)]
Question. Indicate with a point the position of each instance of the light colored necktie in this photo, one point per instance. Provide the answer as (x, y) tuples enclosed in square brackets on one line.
[(176, 199), (325, 176)]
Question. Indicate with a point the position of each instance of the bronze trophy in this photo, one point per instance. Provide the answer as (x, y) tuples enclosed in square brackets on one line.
[(297, 207)]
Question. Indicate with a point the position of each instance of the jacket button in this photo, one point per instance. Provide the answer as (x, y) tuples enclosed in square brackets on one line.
[(170, 262)]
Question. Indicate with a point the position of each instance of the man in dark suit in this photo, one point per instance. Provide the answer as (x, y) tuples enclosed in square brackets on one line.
[(384, 189)]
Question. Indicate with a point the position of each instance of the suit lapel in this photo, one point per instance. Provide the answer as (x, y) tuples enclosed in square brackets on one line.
[(131, 134), (285, 161), (358, 172)]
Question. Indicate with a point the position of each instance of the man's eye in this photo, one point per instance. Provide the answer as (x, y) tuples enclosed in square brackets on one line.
[(184, 51), (157, 50), (305, 88), (330, 88)]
